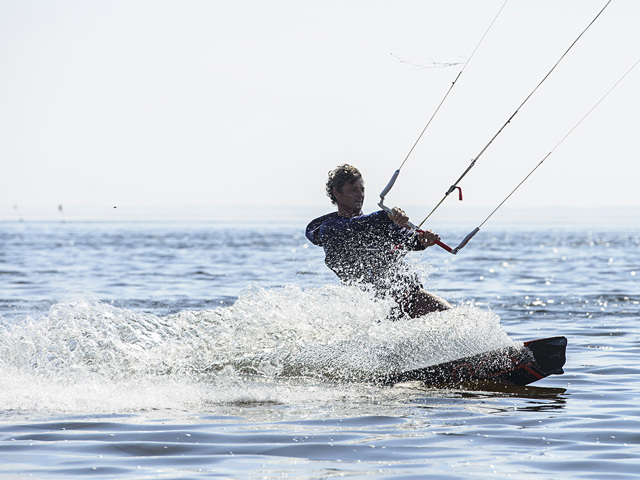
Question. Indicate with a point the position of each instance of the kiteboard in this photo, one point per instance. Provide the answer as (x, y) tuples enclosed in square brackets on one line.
[(521, 365)]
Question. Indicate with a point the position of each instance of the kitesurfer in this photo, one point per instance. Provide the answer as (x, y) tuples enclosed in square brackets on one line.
[(368, 250)]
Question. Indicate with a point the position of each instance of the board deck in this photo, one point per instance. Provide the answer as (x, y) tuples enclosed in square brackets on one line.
[(533, 361)]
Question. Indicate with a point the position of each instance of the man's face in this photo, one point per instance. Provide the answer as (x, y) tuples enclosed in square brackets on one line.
[(352, 196)]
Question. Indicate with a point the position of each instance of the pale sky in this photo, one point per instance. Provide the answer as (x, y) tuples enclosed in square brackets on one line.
[(152, 103)]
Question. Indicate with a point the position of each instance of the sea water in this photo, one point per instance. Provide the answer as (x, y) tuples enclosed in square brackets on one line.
[(215, 350)]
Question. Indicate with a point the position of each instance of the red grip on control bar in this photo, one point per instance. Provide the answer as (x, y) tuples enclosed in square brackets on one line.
[(444, 245), (439, 243)]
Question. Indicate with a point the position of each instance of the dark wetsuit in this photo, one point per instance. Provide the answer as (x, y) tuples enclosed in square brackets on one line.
[(368, 251)]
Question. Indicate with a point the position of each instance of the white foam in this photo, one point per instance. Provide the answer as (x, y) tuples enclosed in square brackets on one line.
[(85, 355)]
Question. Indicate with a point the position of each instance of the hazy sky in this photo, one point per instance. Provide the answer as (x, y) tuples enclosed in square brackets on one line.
[(152, 103)]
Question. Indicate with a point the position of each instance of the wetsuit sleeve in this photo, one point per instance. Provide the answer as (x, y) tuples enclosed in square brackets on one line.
[(335, 227), (312, 231), (403, 237)]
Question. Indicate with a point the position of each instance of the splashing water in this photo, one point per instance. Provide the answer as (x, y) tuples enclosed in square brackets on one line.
[(84, 354)]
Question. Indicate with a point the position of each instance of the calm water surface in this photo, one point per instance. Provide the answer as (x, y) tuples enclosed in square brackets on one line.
[(211, 350)]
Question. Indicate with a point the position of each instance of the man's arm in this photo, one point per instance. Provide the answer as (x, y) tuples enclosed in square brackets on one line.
[(426, 238)]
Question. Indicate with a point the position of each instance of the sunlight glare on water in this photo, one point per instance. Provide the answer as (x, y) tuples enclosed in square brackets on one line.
[(198, 350)]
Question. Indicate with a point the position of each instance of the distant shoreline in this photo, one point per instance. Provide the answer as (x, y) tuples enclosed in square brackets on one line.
[(445, 218)]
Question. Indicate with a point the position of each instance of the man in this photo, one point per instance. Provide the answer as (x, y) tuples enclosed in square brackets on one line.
[(368, 250)]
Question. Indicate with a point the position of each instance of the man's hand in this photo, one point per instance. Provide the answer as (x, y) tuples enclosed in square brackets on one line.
[(427, 238), (398, 216)]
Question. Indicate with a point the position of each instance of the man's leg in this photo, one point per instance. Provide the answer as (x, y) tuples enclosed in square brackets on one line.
[(422, 302)]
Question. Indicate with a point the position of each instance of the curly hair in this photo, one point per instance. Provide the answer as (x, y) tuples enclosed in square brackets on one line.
[(340, 176)]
